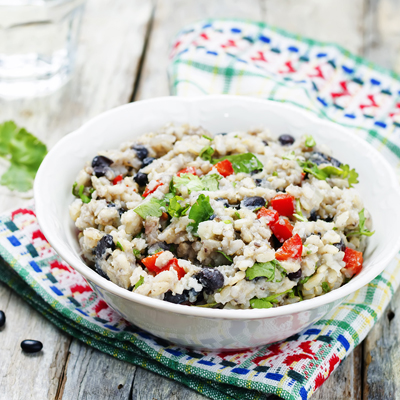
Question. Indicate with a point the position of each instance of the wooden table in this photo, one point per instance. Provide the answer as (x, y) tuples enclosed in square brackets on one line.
[(122, 58)]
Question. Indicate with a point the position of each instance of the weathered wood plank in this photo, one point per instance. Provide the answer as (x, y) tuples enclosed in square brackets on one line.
[(170, 17), (338, 21), (94, 375), (150, 386), (345, 382), (29, 376), (109, 51), (382, 33), (382, 356)]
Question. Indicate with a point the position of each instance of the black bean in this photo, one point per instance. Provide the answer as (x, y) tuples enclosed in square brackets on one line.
[(313, 216), (328, 219), (106, 242), (177, 298), (141, 179), (275, 243), (2, 318), (253, 202), (31, 346), (319, 158), (147, 161), (212, 217), (211, 279), (256, 171), (258, 182), (286, 140), (101, 161), (100, 271), (121, 211), (294, 275), (141, 151), (222, 134), (341, 246), (100, 171), (265, 142), (227, 204)]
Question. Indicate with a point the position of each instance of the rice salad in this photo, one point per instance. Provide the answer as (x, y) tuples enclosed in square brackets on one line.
[(234, 220)]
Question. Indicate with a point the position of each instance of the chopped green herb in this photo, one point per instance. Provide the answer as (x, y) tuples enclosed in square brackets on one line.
[(175, 209), (310, 142), (200, 211), (237, 215), (73, 188), (267, 302), (289, 156), (274, 173), (362, 230), (119, 245), (227, 221), (25, 153), (206, 153), (136, 253), (325, 287), (308, 251), (139, 236), (195, 184), (225, 255), (208, 138), (246, 162), (234, 184), (84, 198), (139, 282), (299, 215), (210, 182), (334, 228), (151, 208), (265, 270), (304, 280), (209, 305), (172, 189)]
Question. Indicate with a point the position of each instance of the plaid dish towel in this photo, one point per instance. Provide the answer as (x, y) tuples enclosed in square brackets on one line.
[(247, 58)]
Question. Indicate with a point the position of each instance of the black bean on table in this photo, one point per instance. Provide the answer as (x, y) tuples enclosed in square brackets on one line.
[(141, 151), (211, 279), (141, 179), (253, 202), (101, 161), (294, 275), (147, 161), (106, 242), (286, 140), (2, 318), (31, 346)]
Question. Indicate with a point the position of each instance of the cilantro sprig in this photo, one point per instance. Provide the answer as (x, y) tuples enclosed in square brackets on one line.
[(25, 153), (310, 141), (195, 184), (362, 230), (267, 302), (200, 211), (265, 270)]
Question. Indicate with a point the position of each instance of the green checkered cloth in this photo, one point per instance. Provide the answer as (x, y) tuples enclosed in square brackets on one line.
[(243, 58)]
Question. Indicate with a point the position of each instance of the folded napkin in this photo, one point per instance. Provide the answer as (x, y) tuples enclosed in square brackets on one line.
[(236, 57)]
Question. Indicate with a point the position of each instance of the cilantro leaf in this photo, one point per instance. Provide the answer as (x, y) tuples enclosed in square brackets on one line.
[(139, 282), (136, 253), (325, 287), (226, 256), (246, 162), (266, 302), (310, 141), (24, 152), (200, 211), (190, 181), (175, 209), (362, 230), (210, 182), (264, 270), (151, 208), (351, 175), (206, 153)]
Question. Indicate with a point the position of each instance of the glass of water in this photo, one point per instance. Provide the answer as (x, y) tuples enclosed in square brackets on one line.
[(38, 42)]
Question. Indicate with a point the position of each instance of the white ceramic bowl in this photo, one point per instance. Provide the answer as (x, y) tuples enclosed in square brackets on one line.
[(213, 328)]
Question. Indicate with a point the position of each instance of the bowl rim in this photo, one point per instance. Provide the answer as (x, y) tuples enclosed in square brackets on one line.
[(248, 314)]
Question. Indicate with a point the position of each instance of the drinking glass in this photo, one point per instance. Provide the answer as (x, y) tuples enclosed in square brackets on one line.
[(38, 43)]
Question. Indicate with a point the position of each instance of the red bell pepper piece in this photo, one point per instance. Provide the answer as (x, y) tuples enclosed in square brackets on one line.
[(117, 179), (148, 191), (353, 260), (150, 264), (188, 170), (291, 249), (271, 215), (284, 204), (224, 168), (282, 229)]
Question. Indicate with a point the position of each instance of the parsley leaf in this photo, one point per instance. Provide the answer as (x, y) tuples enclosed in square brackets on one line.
[(24, 152), (246, 162), (310, 141), (325, 287), (362, 230), (139, 282), (151, 208), (226, 256), (265, 270), (200, 211)]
